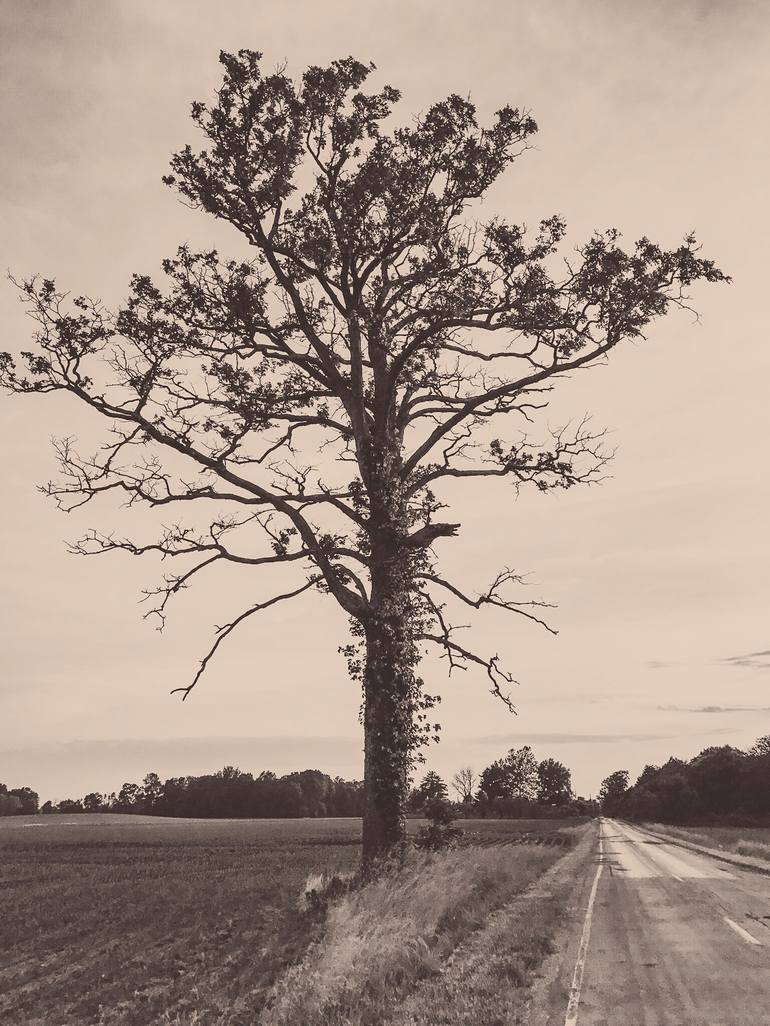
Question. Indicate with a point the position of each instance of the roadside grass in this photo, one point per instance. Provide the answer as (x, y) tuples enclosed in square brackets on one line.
[(755, 849), (750, 841), (141, 921), (383, 939), (501, 976)]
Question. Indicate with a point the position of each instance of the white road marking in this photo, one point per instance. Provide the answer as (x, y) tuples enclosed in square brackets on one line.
[(743, 934), (577, 977)]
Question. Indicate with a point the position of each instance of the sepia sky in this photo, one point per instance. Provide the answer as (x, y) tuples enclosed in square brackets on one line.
[(653, 119)]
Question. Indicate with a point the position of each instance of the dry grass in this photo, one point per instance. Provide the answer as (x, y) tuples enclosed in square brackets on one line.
[(755, 849), (380, 941), (489, 980), (750, 841)]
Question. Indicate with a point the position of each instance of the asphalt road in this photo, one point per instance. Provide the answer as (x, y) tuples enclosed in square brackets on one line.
[(670, 938)]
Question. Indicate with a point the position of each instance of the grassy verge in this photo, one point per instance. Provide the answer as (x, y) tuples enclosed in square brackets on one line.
[(492, 979), (382, 941), (751, 841)]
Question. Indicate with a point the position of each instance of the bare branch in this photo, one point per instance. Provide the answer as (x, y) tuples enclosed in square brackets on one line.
[(458, 655), (224, 632), (493, 597)]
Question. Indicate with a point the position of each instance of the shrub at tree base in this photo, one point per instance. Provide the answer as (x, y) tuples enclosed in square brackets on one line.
[(440, 833)]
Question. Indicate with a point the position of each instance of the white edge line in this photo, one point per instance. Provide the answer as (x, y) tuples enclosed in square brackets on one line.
[(743, 934), (577, 978)]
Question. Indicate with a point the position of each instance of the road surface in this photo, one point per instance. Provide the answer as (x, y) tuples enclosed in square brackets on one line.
[(670, 938)]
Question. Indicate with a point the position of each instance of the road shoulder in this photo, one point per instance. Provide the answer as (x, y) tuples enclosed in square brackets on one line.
[(739, 861)]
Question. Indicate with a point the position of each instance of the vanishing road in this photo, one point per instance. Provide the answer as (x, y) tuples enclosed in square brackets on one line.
[(670, 938)]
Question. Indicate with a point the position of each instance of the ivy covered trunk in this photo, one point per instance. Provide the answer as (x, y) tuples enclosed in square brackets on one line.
[(388, 710), (391, 689)]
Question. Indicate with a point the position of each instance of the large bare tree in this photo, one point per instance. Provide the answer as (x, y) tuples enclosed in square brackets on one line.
[(362, 351)]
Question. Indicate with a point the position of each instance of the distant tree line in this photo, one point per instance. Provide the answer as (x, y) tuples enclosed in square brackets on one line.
[(720, 784), (514, 786), (228, 793)]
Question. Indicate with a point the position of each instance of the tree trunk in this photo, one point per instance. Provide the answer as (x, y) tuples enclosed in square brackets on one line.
[(390, 692), (388, 712)]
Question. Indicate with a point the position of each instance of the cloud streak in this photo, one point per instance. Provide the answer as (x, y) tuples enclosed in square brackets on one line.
[(715, 708), (751, 660), (565, 738)]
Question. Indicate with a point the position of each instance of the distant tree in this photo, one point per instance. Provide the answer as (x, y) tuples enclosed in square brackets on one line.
[(29, 800), (129, 798), (70, 805), (493, 782), (431, 789), (554, 782), (93, 802), (612, 790), (464, 784), (514, 776), (48, 808), (522, 773), (374, 322), (152, 792)]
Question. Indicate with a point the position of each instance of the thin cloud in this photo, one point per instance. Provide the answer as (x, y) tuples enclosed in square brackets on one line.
[(751, 660), (715, 708), (568, 739)]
